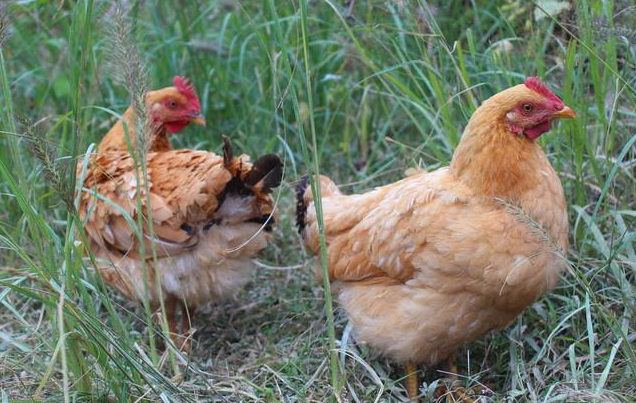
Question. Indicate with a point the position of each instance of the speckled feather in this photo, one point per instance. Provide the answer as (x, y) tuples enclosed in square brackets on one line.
[(432, 262)]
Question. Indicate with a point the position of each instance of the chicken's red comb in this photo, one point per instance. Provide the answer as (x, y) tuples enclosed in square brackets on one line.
[(187, 90), (536, 85)]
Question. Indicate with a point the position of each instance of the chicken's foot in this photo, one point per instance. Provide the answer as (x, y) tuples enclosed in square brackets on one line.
[(456, 393)]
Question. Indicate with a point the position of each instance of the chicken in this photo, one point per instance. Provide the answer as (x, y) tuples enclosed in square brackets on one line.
[(432, 262), (210, 216), (169, 110)]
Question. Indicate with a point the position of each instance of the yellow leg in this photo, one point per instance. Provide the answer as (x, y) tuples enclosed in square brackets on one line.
[(412, 382)]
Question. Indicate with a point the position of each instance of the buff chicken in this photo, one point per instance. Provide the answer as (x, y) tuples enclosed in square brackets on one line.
[(437, 260), (185, 232)]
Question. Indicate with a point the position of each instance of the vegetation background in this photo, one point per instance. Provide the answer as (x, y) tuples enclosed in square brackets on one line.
[(373, 88)]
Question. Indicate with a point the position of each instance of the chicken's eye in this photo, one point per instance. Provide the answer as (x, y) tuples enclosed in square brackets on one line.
[(172, 104), (527, 107)]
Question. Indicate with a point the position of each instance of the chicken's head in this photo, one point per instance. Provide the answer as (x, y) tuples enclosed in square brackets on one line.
[(531, 108), (175, 107)]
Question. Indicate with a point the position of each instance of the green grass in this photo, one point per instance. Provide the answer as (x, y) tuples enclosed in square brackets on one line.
[(361, 93)]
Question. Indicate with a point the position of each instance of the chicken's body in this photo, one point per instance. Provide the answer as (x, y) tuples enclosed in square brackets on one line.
[(432, 262), (199, 225), (424, 266)]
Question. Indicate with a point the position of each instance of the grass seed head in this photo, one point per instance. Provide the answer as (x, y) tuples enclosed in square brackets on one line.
[(128, 67)]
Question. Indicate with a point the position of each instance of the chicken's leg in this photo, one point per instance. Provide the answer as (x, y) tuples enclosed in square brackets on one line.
[(412, 382), (170, 306), (171, 317), (187, 318), (451, 367)]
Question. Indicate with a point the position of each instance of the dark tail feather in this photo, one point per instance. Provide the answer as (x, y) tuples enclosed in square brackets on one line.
[(227, 151), (301, 208), (268, 170), (268, 221)]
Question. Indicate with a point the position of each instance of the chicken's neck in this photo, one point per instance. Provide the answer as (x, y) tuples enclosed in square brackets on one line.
[(160, 141), (115, 139), (494, 162)]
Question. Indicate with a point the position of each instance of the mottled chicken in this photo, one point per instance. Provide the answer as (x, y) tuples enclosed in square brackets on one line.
[(430, 263), (203, 217)]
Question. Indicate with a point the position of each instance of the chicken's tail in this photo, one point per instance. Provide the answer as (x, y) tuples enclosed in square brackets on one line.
[(265, 174), (246, 195), (304, 197), (301, 206)]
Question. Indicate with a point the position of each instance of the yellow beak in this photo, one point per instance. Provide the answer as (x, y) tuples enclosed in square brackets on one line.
[(198, 119), (566, 112)]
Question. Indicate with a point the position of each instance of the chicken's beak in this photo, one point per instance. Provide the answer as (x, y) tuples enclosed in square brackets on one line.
[(566, 112), (198, 119)]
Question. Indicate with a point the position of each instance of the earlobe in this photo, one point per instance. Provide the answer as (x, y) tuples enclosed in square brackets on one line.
[(510, 116)]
